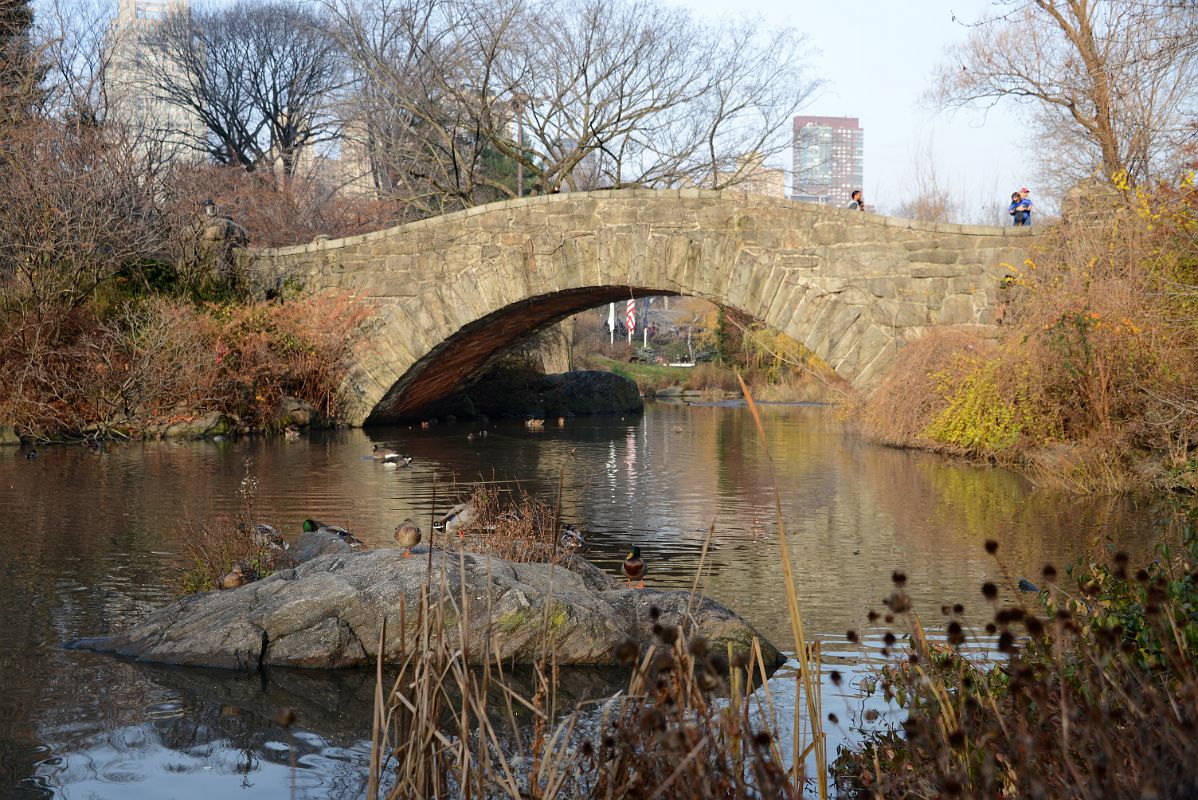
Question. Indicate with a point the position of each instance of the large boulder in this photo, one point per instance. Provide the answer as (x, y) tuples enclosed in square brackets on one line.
[(328, 612), (518, 392)]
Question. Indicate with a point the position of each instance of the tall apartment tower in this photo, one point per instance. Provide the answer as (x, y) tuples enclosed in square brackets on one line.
[(829, 159), (167, 130)]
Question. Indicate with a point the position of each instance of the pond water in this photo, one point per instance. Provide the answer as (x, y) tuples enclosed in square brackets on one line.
[(92, 543)]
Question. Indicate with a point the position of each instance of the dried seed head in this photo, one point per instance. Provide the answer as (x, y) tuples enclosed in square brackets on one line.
[(958, 609), (834, 675), (667, 633), (899, 577), (989, 590), (991, 546), (1120, 559), (956, 636), (851, 635), (663, 662), (654, 613), (833, 718), (627, 651), (1049, 572), (761, 739), (652, 720), (697, 646)]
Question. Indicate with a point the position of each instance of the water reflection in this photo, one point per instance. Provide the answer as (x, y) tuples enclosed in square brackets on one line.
[(94, 543)]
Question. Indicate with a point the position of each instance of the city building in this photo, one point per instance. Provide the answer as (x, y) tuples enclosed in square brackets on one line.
[(829, 159), (158, 127), (753, 175)]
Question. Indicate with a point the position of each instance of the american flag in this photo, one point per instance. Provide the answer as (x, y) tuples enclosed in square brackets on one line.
[(630, 315)]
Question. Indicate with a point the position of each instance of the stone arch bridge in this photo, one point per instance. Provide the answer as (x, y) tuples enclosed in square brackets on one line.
[(453, 292)]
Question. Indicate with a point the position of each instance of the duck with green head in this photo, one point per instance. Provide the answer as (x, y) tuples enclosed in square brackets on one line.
[(314, 526), (634, 568)]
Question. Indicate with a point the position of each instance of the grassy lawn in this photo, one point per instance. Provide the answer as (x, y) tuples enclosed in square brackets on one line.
[(651, 374)]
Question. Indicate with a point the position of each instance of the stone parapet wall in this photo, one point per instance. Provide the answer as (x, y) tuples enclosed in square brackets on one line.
[(452, 292)]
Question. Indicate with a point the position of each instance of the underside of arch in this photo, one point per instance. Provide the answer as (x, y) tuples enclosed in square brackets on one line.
[(468, 352)]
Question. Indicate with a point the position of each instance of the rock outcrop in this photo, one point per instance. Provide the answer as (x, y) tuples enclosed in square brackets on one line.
[(508, 392), (327, 613)]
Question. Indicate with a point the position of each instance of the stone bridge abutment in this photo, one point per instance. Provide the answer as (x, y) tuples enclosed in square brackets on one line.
[(450, 293)]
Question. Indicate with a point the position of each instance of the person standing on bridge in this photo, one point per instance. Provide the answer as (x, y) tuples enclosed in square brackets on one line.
[(858, 203), (1025, 205), (1013, 209)]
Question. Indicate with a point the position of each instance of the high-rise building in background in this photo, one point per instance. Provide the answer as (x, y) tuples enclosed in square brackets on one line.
[(167, 130), (829, 159)]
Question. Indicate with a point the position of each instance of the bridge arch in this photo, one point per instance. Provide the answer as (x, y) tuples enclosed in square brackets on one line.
[(452, 292)]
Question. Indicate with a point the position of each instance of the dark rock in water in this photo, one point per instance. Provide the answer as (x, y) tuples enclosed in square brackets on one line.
[(327, 612), (592, 392), (520, 393)]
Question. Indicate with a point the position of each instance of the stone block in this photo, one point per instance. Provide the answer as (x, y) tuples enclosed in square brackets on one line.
[(938, 256), (827, 233), (955, 310)]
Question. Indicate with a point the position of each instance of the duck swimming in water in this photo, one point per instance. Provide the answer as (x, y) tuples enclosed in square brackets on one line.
[(407, 536), (314, 526), (634, 568), (388, 456)]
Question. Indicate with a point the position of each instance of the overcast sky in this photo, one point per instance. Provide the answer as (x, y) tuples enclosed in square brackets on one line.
[(877, 57)]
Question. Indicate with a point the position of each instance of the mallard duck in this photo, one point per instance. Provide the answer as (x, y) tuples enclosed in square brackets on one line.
[(534, 424), (458, 517), (634, 568), (290, 433), (314, 526), (407, 536), (239, 576), (264, 535), (388, 456), (572, 539)]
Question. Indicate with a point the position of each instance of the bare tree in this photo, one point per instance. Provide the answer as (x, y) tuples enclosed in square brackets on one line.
[(466, 102), (1109, 83), (258, 76), (78, 209), (78, 53)]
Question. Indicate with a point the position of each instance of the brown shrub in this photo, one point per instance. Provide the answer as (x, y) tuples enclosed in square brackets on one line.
[(509, 524), (162, 360), (1097, 351), (912, 393)]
